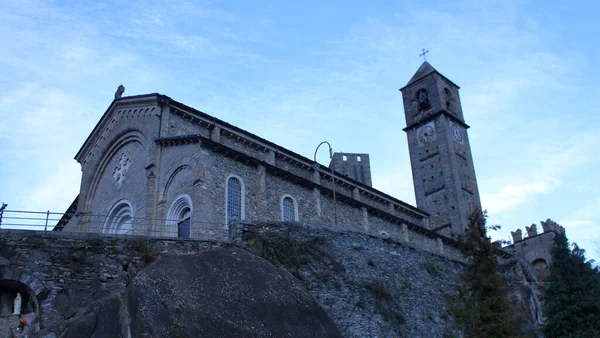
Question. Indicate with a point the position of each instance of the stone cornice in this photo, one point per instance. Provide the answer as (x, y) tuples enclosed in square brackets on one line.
[(436, 115)]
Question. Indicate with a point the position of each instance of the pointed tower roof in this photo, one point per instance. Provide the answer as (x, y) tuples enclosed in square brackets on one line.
[(423, 71)]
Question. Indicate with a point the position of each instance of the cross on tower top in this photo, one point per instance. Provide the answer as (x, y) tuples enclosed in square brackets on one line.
[(423, 52)]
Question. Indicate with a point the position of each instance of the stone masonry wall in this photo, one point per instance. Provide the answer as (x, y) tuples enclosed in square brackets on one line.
[(368, 285), (69, 272)]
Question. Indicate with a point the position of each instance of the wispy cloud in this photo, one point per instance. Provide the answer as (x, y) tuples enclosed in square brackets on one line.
[(513, 195)]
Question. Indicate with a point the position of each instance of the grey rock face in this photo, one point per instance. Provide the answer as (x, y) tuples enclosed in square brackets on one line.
[(102, 321), (222, 293)]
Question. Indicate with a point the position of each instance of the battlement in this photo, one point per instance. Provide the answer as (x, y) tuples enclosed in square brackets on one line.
[(536, 248), (353, 165)]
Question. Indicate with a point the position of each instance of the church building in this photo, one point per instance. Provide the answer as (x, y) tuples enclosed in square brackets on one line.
[(154, 166)]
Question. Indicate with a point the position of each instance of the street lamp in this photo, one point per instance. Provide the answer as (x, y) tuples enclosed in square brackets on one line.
[(332, 176)]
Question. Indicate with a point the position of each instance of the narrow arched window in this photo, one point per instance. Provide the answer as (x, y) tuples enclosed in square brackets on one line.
[(422, 98), (119, 220), (289, 211), (235, 200), (448, 98)]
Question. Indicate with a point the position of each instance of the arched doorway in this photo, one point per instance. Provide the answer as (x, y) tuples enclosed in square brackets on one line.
[(541, 269), (179, 215)]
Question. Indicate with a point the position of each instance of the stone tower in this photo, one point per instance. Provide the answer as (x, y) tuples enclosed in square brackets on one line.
[(355, 166), (440, 155)]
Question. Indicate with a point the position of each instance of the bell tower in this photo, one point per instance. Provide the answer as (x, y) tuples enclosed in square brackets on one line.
[(440, 155)]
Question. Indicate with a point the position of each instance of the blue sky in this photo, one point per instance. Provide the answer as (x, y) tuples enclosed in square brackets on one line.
[(300, 73)]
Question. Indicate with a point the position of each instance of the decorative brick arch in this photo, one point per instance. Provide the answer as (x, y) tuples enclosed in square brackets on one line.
[(122, 140), (179, 169)]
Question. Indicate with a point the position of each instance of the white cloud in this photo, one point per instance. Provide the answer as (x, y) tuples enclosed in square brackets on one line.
[(396, 184), (58, 189), (513, 195)]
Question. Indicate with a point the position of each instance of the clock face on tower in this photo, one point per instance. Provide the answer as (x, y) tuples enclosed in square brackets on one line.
[(457, 133), (426, 134)]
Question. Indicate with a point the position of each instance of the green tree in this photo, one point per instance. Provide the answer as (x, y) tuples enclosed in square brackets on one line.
[(572, 297), (479, 307)]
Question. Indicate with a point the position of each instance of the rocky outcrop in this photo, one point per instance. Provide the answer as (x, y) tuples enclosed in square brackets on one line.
[(524, 293), (222, 293), (217, 292)]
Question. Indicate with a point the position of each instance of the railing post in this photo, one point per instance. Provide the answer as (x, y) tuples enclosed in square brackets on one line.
[(47, 216), (4, 205)]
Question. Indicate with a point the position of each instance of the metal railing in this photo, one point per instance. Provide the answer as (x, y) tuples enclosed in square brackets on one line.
[(105, 224)]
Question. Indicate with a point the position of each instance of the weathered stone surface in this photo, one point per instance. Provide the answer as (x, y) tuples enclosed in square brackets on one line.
[(368, 286), (82, 327), (222, 293)]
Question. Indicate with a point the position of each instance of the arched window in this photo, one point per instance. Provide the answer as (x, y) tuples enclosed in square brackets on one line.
[(119, 220), (289, 209), (234, 199), (180, 214), (422, 98), (541, 269), (448, 98)]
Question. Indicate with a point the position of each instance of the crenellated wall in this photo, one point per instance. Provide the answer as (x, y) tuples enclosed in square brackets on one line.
[(536, 248)]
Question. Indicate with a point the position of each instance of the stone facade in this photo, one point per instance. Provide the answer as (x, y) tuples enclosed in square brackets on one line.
[(157, 167)]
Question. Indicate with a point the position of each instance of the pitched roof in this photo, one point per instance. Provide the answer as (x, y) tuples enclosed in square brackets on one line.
[(425, 69)]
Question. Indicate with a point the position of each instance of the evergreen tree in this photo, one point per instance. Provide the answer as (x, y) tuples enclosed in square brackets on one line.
[(479, 306), (572, 296)]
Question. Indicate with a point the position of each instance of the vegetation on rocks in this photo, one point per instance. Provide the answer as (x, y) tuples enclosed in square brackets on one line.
[(290, 253)]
